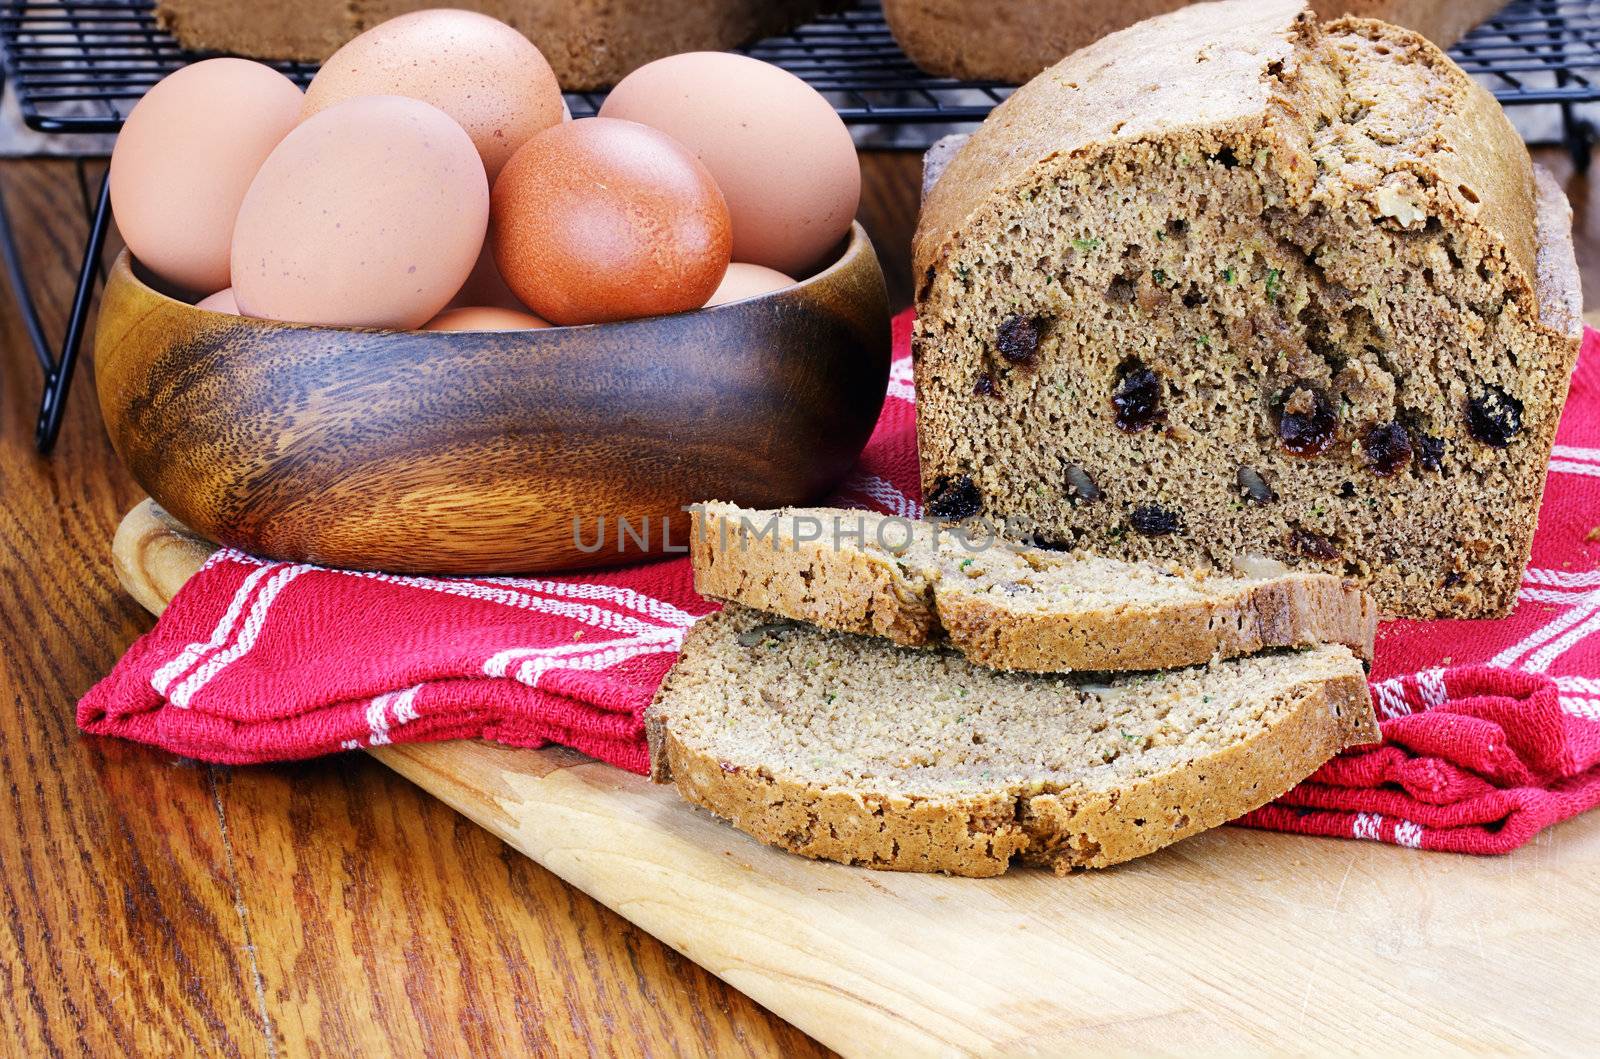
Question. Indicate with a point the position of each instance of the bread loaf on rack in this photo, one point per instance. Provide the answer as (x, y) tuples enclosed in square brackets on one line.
[(590, 44), (1015, 40)]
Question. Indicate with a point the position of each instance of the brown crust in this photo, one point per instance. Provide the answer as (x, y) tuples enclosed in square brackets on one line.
[(1014, 41), (1134, 84), (860, 591), (1139, 85), (980, 835), (1327, 717), (974, 837), (1558, 283), (1006, 42), (590, 44), (1441, 21), (1290, 611), (1560, 293), (1484, 153)]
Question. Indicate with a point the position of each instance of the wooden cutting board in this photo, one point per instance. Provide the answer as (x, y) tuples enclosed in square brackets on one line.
[(1234, 941)]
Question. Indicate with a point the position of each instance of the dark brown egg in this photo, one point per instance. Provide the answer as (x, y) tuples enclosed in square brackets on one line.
[(603, 219)]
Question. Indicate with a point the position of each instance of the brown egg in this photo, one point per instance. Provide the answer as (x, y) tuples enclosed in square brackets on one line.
[(220, 302), (477, 69), (774, 145), (186, 156), (485, 287), (370, 214), (744, 280), (599, 219), (484, 318)]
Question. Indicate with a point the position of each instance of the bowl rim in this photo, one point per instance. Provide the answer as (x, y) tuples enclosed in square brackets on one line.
[(852, 248)]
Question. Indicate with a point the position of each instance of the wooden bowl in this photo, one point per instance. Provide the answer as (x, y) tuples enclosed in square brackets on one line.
[(488, 452)]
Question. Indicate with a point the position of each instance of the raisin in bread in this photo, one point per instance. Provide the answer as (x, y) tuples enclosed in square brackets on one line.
[(850, 749), (1005, 605), (1013, 41), (1250, 285), (590, 43)]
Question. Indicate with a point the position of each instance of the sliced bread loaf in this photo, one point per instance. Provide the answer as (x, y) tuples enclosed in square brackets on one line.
[(1006, 605), (849, 749), (1268, 287)]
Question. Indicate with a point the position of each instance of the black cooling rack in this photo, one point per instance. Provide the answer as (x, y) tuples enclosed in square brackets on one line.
[(1537, 51), (80, 65)]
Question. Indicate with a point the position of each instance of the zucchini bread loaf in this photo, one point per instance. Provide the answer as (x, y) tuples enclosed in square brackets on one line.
[(1013, 41), (1009, 606), (851, 749), (1233, 284), (590, 43)]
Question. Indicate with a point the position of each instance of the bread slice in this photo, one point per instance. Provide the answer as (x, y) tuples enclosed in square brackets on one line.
[(1006, 605), (1270, 287), (844, 748)]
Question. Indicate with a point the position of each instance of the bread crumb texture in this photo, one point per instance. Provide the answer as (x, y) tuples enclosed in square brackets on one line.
[(843, 748), (1234, 284)]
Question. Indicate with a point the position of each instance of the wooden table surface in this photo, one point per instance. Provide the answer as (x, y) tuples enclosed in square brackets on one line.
[(149, 903)]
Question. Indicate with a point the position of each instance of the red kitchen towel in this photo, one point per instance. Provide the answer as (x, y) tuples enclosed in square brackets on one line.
[(1491, 728), (1473, 760)]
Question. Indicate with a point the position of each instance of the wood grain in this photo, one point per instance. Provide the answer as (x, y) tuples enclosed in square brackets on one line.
[(119, 930), (490, 452), (1233, 941), (153, 905)]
